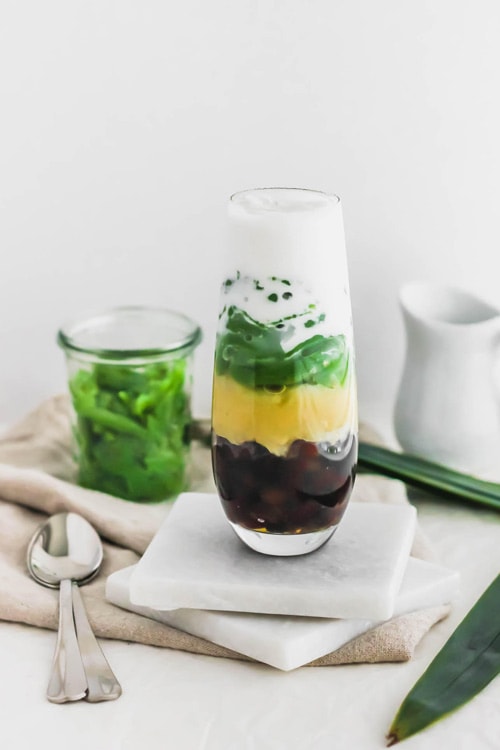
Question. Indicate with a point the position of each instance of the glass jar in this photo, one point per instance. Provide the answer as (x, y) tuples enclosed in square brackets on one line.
[(284, 410), (129, 376)]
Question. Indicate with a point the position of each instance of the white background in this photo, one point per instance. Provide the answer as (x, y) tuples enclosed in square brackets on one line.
[(125, 125)]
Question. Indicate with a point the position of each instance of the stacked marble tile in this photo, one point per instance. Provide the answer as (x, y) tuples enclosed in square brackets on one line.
[(197, 576)]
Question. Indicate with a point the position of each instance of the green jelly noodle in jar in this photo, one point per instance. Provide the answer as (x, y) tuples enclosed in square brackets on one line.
[(129, 373)]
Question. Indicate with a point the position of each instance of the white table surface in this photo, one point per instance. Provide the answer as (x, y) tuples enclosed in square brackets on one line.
[(180, 701)]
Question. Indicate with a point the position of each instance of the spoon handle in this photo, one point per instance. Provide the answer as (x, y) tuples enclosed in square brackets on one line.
[(102, 683), (67, 680)]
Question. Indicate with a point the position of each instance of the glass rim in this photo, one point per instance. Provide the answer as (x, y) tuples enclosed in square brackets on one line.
[(67, 335), (331, 196)]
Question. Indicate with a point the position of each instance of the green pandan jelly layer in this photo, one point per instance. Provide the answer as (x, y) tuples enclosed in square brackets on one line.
[(252, 353)]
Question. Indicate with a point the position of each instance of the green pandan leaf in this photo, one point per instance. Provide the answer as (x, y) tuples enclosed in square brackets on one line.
[(427, 475), (465, 665)]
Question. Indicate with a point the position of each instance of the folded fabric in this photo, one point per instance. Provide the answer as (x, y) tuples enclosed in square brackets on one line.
[(37, 476)]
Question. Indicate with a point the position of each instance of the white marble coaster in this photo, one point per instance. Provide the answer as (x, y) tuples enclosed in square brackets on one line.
[(288, 642), (196, 561)]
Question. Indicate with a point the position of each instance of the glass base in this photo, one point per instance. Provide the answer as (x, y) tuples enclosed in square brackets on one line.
[(283, 545)]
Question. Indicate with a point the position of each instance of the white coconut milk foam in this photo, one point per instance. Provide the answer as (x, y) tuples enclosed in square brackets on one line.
[(291, 243)]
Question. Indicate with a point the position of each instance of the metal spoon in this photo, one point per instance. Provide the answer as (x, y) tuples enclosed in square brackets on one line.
[(64, 552)]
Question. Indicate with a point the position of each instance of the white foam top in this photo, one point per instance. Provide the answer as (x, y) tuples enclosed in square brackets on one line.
[(292, 234), (282, 200)]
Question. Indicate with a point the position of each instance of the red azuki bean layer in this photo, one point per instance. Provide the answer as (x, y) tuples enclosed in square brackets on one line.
[(304, 491)]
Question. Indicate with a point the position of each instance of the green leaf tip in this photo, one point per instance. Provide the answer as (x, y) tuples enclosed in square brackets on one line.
[(468, 661)]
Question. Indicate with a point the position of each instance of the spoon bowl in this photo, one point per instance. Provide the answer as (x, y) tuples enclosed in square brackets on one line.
[(65, 547), (65, 552)]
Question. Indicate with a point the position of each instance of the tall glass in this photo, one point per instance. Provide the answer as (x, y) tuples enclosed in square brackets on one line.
[(284, 411)]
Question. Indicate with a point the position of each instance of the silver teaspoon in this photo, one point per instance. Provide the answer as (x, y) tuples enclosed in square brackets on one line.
[(64, 552)]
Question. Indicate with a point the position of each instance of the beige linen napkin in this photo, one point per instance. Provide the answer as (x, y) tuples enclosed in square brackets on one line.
[(36, 479)]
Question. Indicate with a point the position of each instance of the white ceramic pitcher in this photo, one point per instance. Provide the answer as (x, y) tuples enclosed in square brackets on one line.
[(447, 408)]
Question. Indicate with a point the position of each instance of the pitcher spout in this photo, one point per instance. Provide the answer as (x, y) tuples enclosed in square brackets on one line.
[(444, 307)]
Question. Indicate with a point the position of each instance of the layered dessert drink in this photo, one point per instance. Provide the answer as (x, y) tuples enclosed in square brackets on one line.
[(284, 414)]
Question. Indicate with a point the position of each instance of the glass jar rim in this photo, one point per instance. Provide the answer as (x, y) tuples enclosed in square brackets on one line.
[(164, 332)]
